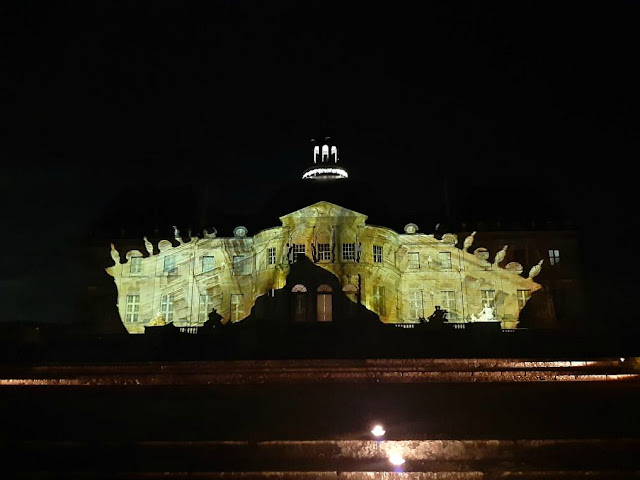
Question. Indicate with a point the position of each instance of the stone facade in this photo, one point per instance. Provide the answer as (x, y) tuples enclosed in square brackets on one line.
[(400, 277)]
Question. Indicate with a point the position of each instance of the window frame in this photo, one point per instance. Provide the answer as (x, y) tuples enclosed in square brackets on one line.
[(204, 308), (377, 253), (213, 263), (137, 261), (170, 266), (413, 256), (444, 260), (416, 304), (240, 266), (132, 315), (348, 252), (166, 306), (271, 256), (324, 252)]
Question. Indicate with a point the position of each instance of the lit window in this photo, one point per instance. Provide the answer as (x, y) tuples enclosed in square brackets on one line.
[(416, 309), (414, 260), (377, 254), (324, 252), (298, 249), (136, 265), (133, 308), (206, 305), (554, 257), (349, 252), (241, 265), (379, 304), (207, 264), (166, 307), (523, 296), (237, 310), (170, 267), (271, 256), (488, 298), (449, 303), (445, 260)]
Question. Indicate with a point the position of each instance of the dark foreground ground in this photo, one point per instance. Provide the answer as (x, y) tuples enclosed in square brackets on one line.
[(518, 420)]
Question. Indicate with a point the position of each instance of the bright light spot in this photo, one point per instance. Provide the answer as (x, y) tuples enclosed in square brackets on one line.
[(378, 431), (396, 459), (316, 172), (622, 359)]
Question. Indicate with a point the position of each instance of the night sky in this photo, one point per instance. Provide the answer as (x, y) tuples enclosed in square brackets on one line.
[(528, 109)]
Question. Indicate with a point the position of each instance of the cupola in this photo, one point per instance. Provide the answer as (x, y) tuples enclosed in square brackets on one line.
[(325, 163)]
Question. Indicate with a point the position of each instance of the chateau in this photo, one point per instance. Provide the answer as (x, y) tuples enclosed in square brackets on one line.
[(401, 277)]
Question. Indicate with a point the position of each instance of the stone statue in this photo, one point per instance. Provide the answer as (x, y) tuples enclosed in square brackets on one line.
[(148, 245), (176, 234), (358, 251), (115, 255), (158, 321), (535, 270), (500, 256), (468, 241), (210, 235), (438, 316)]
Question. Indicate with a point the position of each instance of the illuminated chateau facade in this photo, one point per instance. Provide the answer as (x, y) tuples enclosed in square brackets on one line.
[(400, 277)]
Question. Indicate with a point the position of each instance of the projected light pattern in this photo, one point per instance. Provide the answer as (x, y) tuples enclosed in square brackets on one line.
[(325, 173), (323, 167), (403, 278)]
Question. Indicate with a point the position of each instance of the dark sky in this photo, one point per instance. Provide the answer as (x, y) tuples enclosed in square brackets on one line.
[(530, 108)]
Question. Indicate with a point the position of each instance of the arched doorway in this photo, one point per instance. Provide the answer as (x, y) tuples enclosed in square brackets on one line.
[(325, 304), (299, 303)]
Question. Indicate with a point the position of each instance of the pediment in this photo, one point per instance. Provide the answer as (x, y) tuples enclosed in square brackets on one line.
[(323, 209)]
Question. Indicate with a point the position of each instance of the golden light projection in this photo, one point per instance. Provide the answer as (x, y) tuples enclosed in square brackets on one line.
[(400, 277)]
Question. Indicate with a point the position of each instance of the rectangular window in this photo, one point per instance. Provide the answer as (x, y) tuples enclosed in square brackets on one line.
[(324, 252), (241, 265), (416, 308), (379, 304), (523, 296), (208, 264), (271, 256), (166, 307), (554, 257), (445, 260), (377, 254), (170, 267), (136, 265), (449, 303), (204, 308), (414, 260), (237, 310), (349, 252), (298, 249), (488, 299), (133, 308)]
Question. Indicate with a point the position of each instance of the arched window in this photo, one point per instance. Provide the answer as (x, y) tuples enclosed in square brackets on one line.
[(351, 291), (325, 303), (299, 303)]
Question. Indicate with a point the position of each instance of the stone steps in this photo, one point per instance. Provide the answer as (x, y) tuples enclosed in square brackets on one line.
[(321, 371), (346, 459)]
